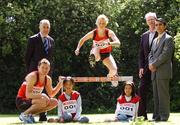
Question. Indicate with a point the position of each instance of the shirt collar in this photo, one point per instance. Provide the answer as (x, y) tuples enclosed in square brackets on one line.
[(160, 35), (152, 31), (42, 35)]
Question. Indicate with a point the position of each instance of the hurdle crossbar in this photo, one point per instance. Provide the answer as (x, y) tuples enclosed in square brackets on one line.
[(102, 79)]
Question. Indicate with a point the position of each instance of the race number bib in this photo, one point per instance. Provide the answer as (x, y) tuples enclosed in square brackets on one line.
[(101, 44), (127, 109), (37, 90), (69, 106)]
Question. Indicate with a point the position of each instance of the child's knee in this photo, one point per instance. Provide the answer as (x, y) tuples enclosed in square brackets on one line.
[(84, 119), (122, 117), (67, 117)]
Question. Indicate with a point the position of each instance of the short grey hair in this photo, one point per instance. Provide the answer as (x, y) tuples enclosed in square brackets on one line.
[(44, 21), (102, 16), (150, 14)]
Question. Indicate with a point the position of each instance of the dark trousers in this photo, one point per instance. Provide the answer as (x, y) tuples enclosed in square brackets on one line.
[(161, 98), (144, 89)]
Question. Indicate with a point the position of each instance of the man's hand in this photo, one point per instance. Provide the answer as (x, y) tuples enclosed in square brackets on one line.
[(152, 68), (141, 72), (61, 79)]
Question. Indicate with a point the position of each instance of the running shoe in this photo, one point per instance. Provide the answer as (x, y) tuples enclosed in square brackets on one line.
[(25, 118), (92, 60)]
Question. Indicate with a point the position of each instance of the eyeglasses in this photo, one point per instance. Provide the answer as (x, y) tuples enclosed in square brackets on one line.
[(150, 19)]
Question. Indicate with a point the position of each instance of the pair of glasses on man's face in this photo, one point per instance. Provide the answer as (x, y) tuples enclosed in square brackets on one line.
[(151, 19)]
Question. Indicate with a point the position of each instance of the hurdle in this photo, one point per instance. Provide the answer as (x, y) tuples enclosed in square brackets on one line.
[(101, 79)]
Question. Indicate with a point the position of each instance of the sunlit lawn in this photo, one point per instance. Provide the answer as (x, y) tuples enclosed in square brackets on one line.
[(95, 119)]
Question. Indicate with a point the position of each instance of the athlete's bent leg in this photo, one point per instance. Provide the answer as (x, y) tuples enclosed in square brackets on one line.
[(52, 104), (95, 51), (110, 63)]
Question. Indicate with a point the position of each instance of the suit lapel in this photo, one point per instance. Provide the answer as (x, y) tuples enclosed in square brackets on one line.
[(161, 42), (147, 43), (153, 40), (154, 46), (155, 35), (39, 38), (40, 42)]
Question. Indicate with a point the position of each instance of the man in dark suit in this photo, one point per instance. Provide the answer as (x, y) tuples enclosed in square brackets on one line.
[(144, 72), (160, 64), (39, 46)]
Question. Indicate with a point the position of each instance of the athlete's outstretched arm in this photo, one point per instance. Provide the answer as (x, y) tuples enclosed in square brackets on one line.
[(82, 40), (115, 41), (50, 90)]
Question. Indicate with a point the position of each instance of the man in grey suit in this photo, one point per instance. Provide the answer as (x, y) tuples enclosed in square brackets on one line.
[(160, 64)]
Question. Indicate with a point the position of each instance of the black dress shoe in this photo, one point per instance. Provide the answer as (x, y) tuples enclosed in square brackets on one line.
[(42, 117), (163, 119), (145, 118), (157, 118)]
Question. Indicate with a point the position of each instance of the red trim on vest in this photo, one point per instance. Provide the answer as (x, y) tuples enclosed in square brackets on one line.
[(37, 81), (74, 96), (97, 38), (22, 89), (122, 99)]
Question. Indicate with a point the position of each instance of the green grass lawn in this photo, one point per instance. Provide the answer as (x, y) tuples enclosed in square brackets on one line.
[(95, 119)]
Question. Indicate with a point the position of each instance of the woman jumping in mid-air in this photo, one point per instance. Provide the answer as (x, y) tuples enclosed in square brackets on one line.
[(102, 46)]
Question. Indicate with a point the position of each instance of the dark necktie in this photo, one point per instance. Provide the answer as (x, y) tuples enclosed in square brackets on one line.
[(46, 45)]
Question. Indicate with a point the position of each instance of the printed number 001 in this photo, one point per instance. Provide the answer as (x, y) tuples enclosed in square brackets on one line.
[(69, 107)]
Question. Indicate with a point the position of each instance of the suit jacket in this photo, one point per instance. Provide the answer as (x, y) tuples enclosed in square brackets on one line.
[(161, 57), (144, 51), (35, 52)]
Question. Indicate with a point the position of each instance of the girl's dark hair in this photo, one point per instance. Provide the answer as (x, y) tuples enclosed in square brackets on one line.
[(67, 79), (132, 86)]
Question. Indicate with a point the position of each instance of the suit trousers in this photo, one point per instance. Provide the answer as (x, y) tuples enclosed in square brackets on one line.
[(144, 88), (161, 98)]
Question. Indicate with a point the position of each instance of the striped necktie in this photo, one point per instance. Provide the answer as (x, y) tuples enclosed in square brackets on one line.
[(46, 45)]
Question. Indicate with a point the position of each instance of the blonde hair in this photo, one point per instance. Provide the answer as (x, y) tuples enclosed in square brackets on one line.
[(102, 16)]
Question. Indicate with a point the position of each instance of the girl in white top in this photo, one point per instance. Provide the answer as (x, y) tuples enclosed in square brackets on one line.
[(127, 103)]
